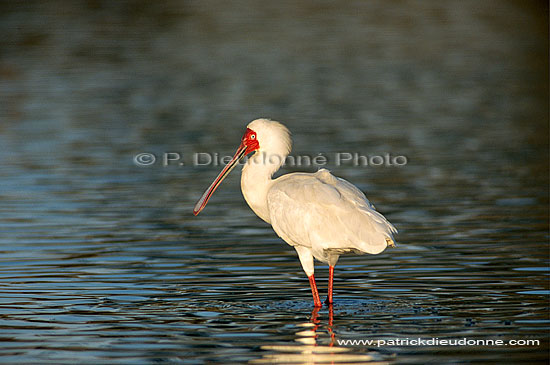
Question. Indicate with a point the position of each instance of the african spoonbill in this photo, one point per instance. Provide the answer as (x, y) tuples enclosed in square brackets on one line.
[(320, 215)]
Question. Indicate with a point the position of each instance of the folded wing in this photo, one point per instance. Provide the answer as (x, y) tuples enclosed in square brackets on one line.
[(327, 214)]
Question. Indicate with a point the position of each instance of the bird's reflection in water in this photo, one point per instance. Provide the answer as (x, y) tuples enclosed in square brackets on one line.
[(313, 347)]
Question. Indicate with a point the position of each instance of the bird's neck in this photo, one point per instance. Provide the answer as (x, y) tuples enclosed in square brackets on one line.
[(256, 181)]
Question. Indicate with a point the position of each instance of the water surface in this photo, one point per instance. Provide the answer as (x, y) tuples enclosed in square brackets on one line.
[(102, 261)]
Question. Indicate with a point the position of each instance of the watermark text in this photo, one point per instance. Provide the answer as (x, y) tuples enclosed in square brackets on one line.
[(437, 342), (355, 159)]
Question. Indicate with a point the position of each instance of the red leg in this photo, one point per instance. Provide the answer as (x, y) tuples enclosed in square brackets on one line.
[(316, 300), (330, 280)]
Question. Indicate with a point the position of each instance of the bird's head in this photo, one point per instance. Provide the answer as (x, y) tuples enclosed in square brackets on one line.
[(262, 135), (272, 137)]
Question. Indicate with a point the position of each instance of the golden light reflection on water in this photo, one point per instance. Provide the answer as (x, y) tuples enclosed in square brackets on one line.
[(309, 351)]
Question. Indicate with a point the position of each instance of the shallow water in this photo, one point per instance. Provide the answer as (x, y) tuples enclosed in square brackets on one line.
[(102, 261)]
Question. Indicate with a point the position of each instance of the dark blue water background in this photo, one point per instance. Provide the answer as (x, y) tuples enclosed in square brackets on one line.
[(101, 260)]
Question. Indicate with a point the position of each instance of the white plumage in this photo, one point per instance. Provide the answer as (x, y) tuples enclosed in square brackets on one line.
[(320, 215)]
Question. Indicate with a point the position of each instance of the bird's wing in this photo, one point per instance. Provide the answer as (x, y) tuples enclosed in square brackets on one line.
[(326, 213)]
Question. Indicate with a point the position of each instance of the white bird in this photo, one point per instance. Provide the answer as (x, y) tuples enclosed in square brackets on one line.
[(320, 215)]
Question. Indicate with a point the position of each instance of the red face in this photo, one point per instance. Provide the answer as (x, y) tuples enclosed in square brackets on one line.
[(250, 140), (249, 143)]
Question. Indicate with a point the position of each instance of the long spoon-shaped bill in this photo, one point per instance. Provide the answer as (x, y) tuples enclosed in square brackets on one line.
[(241, 151)]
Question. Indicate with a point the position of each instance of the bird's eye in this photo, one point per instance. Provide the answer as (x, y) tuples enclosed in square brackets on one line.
[(253, 136)]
